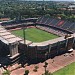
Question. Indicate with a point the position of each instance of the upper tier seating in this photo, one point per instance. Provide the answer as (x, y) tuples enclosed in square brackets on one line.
[(48, 21), (39, 20), (60, 23), (57, 23), (72, 28), (18, 21), (66, 25), (54, 22), (51, 30)]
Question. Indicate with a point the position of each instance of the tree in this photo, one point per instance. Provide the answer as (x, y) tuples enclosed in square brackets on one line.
[(45, 66), (47, 15), (35, 69), (7, 72), (26, 72), (48, 73)]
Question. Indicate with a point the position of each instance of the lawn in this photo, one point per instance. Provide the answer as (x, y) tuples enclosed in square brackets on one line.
[(68, 70), (35, 35)]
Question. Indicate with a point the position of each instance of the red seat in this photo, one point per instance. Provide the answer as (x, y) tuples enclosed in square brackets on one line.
[(60, 23)]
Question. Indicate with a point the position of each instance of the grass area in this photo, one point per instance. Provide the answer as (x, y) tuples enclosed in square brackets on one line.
[(68, 70), (35, 35)]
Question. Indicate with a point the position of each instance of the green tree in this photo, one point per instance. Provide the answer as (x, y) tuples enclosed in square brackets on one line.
[(26, 72), (45, 66), (48, 73), (7, 72), (35, 68)]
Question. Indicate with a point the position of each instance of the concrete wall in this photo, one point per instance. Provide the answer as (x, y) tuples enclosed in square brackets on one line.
[(13, 47), (49, 51), (4, 49)]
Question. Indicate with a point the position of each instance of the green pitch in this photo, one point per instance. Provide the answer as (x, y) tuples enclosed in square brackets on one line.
[(68, 70), (35, 35)]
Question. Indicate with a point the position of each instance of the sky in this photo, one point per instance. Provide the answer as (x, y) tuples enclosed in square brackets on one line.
[(63, 0), (49, 0), (56, 0)]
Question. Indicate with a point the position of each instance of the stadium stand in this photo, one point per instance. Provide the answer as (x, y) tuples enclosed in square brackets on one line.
[(57, 23), (51, 30), (8, 44), (66, 25), (54, 22), (48, 21), (17, 22), (60, 23), (72, 28), (39, 19)]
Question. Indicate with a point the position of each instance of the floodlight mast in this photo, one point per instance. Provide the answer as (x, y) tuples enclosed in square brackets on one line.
[(24, 34)]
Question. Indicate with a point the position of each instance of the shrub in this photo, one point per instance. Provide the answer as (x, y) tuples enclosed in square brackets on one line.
[(7, 72), (26, 72), (35, 68)]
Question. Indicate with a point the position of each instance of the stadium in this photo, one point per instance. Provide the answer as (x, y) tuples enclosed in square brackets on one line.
[(36, 39)]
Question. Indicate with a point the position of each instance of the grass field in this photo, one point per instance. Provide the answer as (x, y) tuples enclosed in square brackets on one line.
[(35, 35), (68, 70)]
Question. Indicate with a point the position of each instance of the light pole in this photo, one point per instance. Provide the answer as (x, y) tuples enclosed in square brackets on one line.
[(24, 33), (24, 46)]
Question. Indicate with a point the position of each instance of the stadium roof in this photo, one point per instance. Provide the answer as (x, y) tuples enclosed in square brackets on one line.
[(6, 33), (2, 31), (7, 37), (3, 40), (12, 40), (30, 18)]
